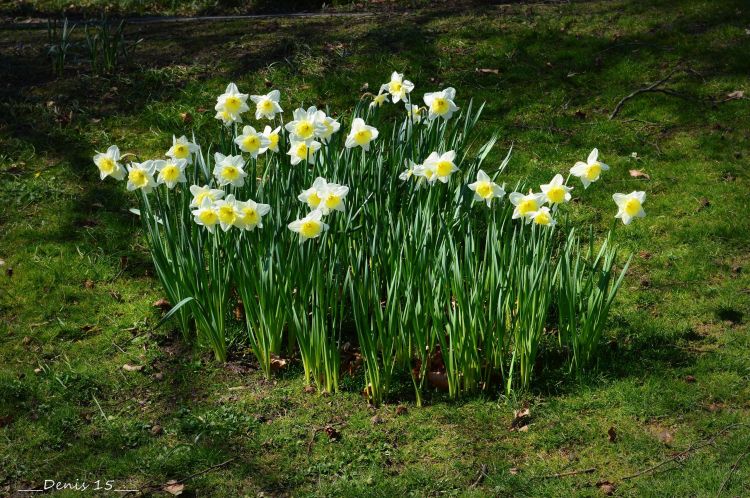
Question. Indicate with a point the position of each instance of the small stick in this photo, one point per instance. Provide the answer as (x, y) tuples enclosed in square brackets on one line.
[(732, 470), (480, 477), (568, 473), (649, 88), (184, 479)]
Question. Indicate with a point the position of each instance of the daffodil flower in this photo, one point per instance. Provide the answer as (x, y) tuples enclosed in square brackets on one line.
[(381, 98), (361, 135), (231, 103), (303, 151), (424, 173), (109, 163), (526, 205), (141, 176), (267, 106), (543, 217), (313, 196), (205, 192), (399, 88), (442, 165), (251, 214), (228, 212), (228, 118), (440, 104), (408, 172), (333, 198), (171, 172), (273, 137), (182, 148), (414, 113), (309, 227), (306, 125), (206, 215), (330, 125), (485, 189), (629, 206), (556, 192), (252, 142), (590, 170), (229, 170)]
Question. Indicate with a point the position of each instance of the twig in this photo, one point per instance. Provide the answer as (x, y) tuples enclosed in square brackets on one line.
[(566, 474), (184, 479), (732, 470), (480, 477), (650, 88)]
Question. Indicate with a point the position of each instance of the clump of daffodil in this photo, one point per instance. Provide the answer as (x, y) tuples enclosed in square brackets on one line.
[(485, 189), (440, 104), (543, 217), (442, 165), (414, 113), (590, 170), (330, 126), (526, 204), (381, 98), (201, 193), (361, 135), (630, 206), (251, 214), (305, 125), (182, 148), (109, 163), (229, 170), (398, 87), (267, 106), (230, 104), (303, 151), (273, 137), (556, 192), (206, 215), (141, 176), (171, 172), (252, 142), (310, 226)]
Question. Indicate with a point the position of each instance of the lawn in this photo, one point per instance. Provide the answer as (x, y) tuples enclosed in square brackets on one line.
[(664, 414)]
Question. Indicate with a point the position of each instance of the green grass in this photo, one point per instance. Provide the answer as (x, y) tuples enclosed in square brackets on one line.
[(77, 306)]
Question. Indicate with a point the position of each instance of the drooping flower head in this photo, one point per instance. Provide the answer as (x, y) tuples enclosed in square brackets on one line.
[(526, 204), (171, 172), (109, 163), (229, 170), (231, 104), (630, 206), (206, 215), (590, 170), (543, 217), (141, 176), (251, 214), (381, 98), (273, 138), (440, 104), (414, 113), (303, 151), (309, 227), (205, 192), (306, 125), (556, 192), (182, 148), (442, 165), (485, 189), (267, 106), (361, 135), (330, 126), (252, 142), (399, 88)]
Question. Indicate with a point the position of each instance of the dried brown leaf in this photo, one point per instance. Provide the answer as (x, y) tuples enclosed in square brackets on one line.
[(612, 434), (174, 488), (132, 368), (636, 173)]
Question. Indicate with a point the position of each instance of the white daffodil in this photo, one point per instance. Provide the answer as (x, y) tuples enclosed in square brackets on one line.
[(309, 227), (414, 113), (205, 192), (141, 176), (109, 163), (206, 215), (485, 189), (590, 170), (440, 104), (526, 205), (543, 217), (331, 126), (306, 125), (229, 170), (228, 118), (273, 137), (399, 88), (442, 165), (381, 98), (228, 212), (171, 172), (182, 148), (231, 104), (424, 173), (556, 192), (251, 214), (267, 106), (252, 142), (629, 206), (333, 198), (314, 195), (408, 172), (303, 151), (361, 135)]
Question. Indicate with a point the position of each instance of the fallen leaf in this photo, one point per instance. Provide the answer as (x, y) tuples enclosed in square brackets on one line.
[(580, 114), (514, 471), (521, 419), (156, 430), (239, 311), (665, 437), (488, 71), (689, 379), (375, 420), (635, 173), (401, 410), (438, 380), (132, 368), (703, 204), (88, 283), (715, 407), (332, 432), (162, 303), (174, 488), (645, 255), (606, 487), (277, 362), (158, 376), (186, 117), (737, 94), (309, 390), (612, 434), (116, 296)]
